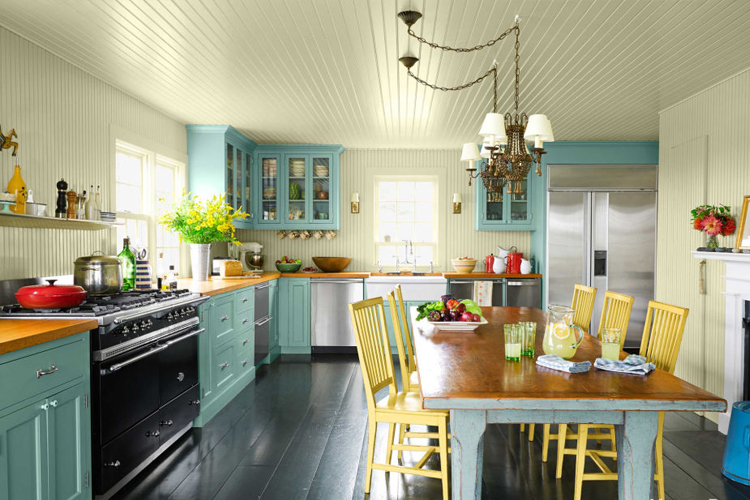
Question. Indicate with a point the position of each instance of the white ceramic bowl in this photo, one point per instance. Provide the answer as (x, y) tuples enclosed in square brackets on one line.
[(464, 266)]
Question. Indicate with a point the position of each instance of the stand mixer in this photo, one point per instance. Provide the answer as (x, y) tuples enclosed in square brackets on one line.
[(250, 256)]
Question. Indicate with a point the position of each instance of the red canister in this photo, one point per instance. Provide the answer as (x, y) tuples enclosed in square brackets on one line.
[(513, 262)]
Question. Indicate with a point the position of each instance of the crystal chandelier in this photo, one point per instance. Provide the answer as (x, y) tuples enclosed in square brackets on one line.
[(507, 160)]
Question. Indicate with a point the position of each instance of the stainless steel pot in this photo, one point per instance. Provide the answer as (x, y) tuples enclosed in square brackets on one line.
[(98, 274)]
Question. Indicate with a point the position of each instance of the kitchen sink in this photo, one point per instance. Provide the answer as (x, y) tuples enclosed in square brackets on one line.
[(413, 286)]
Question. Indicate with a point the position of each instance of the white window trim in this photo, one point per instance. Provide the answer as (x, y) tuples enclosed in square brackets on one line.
[(437, 220)]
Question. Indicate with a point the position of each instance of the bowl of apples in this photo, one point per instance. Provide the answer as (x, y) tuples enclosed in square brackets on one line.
[(451, 314), (287, 265)]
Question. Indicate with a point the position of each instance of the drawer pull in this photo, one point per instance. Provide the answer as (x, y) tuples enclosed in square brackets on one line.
[(245, 321), (245, 299), (116, 463), (180, 377), (225, 364), (152, 434), (245, 341), (224, 318), (168, 423), (245, 362), (40, 373), (196, 402)]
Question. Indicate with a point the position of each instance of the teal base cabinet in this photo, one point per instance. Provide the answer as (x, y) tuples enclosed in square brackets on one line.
[(226, 350), (45, 425), (294, 315)]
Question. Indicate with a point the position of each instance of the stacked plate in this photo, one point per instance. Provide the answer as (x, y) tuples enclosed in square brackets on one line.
[(320, 171), (269, 168), (142, 275), (297, 168), (269, 193)]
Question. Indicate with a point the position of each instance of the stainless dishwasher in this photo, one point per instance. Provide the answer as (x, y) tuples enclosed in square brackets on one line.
[(262, 321), (330, 320), (523, 292)]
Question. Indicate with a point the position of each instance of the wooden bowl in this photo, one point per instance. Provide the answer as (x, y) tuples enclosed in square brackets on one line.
[(331, 264)]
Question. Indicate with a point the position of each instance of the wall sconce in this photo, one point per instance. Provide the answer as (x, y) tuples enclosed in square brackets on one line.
[(457, 203), (355, 203)]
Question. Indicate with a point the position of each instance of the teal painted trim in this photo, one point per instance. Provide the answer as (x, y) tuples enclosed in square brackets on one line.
[(580, 153), (274, 354), (555, 417), (582, 405), (302, 148), (218, 402), (290, 349)]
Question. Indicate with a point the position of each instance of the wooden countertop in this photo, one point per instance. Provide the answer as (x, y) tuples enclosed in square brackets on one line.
[(18, 334), (343, 274), (476, 275), (216, 286)]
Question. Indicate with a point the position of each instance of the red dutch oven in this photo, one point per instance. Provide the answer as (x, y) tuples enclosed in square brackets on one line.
[(50, 296)]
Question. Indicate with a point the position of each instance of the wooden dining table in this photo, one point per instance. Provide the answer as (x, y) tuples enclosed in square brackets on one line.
[(466, 373)]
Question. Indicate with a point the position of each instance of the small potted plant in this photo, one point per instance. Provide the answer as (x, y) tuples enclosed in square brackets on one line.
[(200, 223), (714, 221)]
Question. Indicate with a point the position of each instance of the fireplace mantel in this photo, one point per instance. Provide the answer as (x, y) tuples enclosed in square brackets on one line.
[(737, 292)]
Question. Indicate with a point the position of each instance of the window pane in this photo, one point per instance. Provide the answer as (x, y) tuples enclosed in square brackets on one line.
[(424, 254), (405, 212), (424, 191), (128, 198), (423, 212), (129, 169), (423, 232), (385, 230), (387, 212), (165, 181), (171, 258), (386, 254), (387, 191), (405, 232), (405, 191)]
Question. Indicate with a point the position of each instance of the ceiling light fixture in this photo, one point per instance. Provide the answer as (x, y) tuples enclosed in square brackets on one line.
[(507, 159)]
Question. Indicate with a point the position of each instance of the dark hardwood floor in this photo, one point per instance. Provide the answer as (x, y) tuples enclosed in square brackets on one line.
[(299, 432)]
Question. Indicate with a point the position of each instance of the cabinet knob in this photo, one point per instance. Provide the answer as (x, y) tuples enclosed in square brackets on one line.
[(53, 403), (180, 377), (45, 406), (245, 299), (245, 321), (168, 423), (224, 318), (245, 341), (41, 373), (244, 362), (196, 402), (225, 364), (116, 463), (152, 433)]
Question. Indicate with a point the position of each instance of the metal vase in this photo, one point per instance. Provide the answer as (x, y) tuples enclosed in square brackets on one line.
[(199, 259)]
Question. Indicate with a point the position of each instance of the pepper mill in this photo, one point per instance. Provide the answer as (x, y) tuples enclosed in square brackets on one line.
[(72, 204), (62, 187)]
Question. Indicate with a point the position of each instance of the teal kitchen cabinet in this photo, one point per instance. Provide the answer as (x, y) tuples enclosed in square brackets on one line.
[(45, 435), (221, 161), (273, 308), (509, 212), (294, 315), (298, 186)]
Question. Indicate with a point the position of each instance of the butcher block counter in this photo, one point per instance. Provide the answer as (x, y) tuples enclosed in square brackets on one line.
[(18, 334), (479, 276), (216, 286)]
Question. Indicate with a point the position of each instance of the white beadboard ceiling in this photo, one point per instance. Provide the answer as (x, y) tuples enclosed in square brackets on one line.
[(327, 71)]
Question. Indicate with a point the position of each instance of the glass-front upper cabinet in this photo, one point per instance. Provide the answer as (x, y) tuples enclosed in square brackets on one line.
[(297, 173), (321, 189), (220, 162), (270, 190), (506, 212)]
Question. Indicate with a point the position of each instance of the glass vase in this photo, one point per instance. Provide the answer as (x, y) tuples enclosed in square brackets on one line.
[(713, 242)]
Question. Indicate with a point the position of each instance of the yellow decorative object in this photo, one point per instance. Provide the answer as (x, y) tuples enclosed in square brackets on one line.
[(404, 408), (18, 187), (6, 141)]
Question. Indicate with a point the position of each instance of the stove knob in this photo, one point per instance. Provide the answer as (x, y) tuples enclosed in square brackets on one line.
[(144, 324), (149, 323), (135, 328), (125, 330), (170, 316)]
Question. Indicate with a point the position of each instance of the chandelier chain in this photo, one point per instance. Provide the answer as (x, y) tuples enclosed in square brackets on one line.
[(518, 67), (490, 71), (464, 49)]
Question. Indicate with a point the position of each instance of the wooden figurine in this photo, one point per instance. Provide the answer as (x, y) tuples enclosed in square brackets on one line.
[(6, 141)]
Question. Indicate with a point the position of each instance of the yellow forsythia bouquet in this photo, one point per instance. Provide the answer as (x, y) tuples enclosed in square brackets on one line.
[(202, 221)]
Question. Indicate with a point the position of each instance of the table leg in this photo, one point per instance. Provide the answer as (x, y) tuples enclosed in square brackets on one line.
[(467, 453), (635, 454)]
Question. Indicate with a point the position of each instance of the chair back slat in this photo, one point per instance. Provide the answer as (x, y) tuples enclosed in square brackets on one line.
[(373, 349), (583, 303), (398, 331), (406, 328), (616, 313), (662, 334)]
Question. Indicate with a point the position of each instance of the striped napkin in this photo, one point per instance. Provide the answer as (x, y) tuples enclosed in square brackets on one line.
[(555, 362), (483, 293), (633, 364)]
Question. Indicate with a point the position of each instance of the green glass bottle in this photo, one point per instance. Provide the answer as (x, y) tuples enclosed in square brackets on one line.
[(127, 261)]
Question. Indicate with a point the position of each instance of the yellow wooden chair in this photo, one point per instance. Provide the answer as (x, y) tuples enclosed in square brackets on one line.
[(404, 344), (662, 336), (376, 363), (583, 304), (615, 314)]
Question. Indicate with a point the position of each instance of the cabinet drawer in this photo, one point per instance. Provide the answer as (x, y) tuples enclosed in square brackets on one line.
[(245, 360), (244, 321), (224, 362), (245, 299), (222, 320), (245, 340), (23, 378)]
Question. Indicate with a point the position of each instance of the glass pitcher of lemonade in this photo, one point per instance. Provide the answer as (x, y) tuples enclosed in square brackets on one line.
[(561, 336)]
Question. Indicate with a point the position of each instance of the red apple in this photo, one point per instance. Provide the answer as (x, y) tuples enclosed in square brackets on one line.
[(467, 316), (475, 318)]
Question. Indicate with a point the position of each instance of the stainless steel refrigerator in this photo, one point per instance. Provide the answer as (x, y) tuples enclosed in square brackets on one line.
[(601, 232)]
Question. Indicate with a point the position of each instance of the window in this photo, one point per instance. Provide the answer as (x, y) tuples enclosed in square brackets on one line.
[(145, 185), (406, 211)]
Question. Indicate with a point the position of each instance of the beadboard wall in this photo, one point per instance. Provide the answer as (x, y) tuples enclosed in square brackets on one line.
[(66, 121), (457, 237), (704, 155)]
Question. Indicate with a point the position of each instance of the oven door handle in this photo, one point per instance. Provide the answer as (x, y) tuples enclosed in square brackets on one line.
[(150, 352), (186, 336)]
